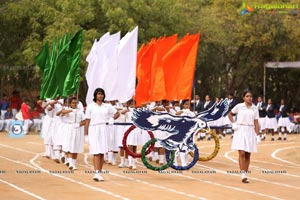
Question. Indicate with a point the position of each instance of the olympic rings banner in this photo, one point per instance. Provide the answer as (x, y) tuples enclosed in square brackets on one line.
[(180, 129)]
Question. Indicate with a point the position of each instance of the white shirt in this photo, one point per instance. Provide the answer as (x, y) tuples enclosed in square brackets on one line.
[(245, 116), (99, 114), (76, 116)]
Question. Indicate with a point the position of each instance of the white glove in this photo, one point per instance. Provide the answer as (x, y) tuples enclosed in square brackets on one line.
[(111, 121), (234, 126), (258, 139), (86, 139)]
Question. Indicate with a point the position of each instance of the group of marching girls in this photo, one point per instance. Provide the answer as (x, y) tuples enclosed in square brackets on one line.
[(66, 127), (62, 130)]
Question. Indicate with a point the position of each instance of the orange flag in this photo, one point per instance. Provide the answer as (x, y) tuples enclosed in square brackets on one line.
[(144, 74), (179, 66), (161, 47)]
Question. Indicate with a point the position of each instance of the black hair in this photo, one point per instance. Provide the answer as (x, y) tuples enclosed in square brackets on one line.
[(245, 92), (96, 92), (183, 102)]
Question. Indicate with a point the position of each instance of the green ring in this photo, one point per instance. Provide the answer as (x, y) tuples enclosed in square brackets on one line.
[(148, 165)]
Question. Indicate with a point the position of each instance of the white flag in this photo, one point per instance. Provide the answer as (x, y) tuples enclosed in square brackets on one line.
[(127, 55), (95, 59)]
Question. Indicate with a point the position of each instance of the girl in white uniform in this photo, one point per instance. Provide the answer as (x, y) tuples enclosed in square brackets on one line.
[(98, 114), (73, 120), (185, 111), (57, 134), (134, 136), (246, 136), (48, 127), (120, 134)]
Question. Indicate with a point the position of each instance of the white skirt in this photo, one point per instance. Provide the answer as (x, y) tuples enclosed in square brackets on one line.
[(58, 135), (134, 136), (284, 122), (271, 123), (112, 138), (145, 137), (98, 139), (48, 129), (244, 138), (262, 123), (120, 134), (74, 139), (159, 135)]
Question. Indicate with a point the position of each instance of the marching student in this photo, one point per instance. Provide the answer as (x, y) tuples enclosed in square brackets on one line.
[(284, 123), (73, 119), (159, 150), (98, 114), (219, 123), (134, 136), (261, 106), (112, 139), (120, 134), (271, 122), (185, 111), (245, 137), (48, 127)]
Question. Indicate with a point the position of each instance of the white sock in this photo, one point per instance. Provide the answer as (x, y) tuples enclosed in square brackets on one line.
[(182, 158), (114, 157), (129, 160), (74, 162), (280, 134), (133, 162), (161, 158), (122, 160), (110, 155), (285, 135), (56, 154), (155, 157)]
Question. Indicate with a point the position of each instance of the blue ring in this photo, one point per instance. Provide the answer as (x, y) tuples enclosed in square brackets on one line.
[(194, 161)]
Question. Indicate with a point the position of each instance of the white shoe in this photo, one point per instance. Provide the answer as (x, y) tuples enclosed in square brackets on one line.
[(74, 167), (121, 165), (98, 178)]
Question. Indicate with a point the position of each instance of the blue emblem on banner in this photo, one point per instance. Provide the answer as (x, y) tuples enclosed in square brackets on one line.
[(16, 129)]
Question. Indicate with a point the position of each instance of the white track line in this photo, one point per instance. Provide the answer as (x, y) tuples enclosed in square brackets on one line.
[(282, 160), (146, 183), (32, 161), (21, 189), (225, 186), (259, 168), (63, 177), (282, 165), (15, 148)]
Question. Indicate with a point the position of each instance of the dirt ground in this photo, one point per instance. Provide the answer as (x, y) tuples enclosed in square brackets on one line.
[(26, 175)]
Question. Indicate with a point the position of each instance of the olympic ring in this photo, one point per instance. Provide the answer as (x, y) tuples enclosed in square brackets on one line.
[(216, 150), (148, 165), (129, 152), (194, 161)]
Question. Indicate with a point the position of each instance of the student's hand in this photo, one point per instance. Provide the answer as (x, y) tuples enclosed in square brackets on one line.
[(234, 126)]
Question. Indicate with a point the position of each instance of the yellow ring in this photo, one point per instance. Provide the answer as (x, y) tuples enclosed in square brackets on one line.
[(216, 150)]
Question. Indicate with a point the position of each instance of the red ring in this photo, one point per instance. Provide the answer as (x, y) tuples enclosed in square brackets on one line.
[(128, 151)]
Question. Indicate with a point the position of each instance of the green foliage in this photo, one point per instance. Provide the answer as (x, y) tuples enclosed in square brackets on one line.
[(233, 47)]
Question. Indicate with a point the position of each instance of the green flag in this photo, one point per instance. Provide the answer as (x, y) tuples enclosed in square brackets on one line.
[(62, 67), (72, 80), (49, 87), (41, 58)]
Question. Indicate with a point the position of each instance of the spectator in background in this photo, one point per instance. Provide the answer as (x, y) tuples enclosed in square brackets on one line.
[(15, 102), (271, 122), (27, 117), (284, 123), (8, 118), (4, 104), (196, 104)]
